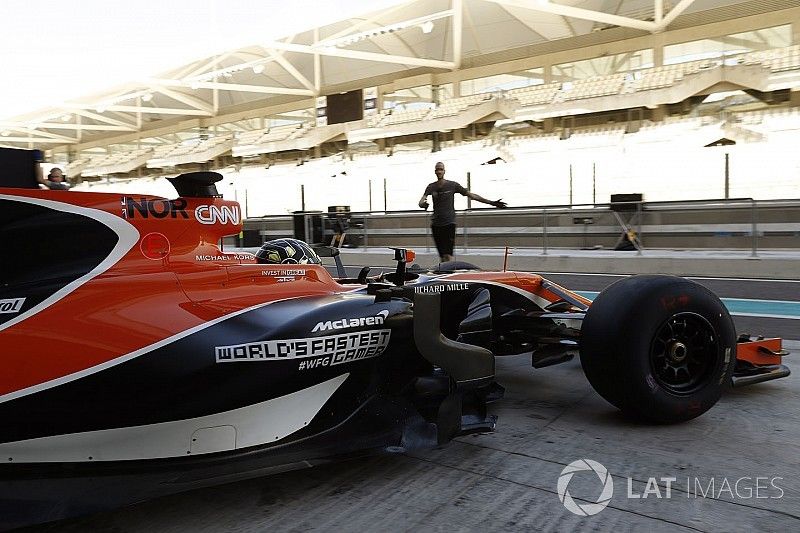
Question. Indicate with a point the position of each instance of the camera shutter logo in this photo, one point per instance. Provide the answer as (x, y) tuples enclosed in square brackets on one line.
[(585, 509)]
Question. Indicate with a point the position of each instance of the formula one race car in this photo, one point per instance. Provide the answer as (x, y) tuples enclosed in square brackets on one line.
[(140, 359)]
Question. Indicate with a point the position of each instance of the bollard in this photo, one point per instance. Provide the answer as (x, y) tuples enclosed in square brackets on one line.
[(544, 232), (465, 247), (639, 228), (428, 237), (754, 228)]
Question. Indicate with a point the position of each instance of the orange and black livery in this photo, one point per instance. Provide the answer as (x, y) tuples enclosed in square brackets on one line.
[(139, 358)]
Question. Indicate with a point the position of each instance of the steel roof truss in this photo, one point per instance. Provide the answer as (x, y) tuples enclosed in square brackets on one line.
[(673, 14), (365, 56), (191, 101), (145, 110), (585, 14)]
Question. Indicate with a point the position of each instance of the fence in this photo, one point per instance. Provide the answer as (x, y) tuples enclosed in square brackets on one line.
[(729, 224)]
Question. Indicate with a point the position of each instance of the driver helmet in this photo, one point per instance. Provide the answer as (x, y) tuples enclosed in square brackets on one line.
[(287, 251)]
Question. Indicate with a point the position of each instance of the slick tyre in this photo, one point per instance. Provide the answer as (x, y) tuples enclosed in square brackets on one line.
[(660, 348)]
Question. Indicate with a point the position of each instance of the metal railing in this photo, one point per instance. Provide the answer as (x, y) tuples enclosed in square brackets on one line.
[(714, 224)]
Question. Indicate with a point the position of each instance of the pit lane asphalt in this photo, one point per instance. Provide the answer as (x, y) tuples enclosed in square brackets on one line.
[(507, 480)]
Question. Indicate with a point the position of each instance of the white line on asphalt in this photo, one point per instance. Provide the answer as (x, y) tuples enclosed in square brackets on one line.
[(764, 315), (688, 277)]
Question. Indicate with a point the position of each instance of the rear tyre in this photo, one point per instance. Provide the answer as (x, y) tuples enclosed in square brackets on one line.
[(661, 348), (450, 266)]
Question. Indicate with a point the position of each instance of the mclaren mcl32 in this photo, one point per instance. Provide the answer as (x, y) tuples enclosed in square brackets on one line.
[(137, 358)]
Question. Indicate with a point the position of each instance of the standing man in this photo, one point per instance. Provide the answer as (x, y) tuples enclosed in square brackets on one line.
[(443, 223)]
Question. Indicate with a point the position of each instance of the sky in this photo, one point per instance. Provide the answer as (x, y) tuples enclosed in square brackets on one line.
[(52, 51)]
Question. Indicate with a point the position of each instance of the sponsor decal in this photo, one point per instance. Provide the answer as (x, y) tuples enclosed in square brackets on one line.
[(224, 257), (283, 276), (155, 246), (442, 287), (11, 305), (218, 214), (289, 272), (311, 352), (343, 323), (146, 208)]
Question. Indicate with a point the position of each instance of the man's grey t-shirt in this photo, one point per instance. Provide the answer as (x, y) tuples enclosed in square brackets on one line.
[(443, 194)]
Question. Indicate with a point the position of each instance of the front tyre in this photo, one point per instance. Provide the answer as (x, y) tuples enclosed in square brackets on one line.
[(662, 348)]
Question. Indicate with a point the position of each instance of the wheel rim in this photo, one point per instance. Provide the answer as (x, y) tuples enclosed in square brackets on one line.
[(684, 353)]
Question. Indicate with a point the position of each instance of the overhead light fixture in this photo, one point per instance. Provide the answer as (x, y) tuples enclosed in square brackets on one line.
[(425, 23), (102, 106), (258, 69), (66, 118), (146, 97), (195, 85), (5, 133)]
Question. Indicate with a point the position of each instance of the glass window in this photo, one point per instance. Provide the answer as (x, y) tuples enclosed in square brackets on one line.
[(291, 117), (503, 82), (413, 98), (738, 43), (603, 66)]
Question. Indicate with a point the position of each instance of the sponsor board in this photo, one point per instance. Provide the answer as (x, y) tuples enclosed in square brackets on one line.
[(11, 305), (311, 352)]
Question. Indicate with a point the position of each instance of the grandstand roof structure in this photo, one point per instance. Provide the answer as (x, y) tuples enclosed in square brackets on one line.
[(422, 40)]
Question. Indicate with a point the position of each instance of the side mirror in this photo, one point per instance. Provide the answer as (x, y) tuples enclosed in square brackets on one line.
[(326, 251), (331, 251)]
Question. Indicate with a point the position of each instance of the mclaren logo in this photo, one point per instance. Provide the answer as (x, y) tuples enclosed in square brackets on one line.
[(351, 322), (213, 214)]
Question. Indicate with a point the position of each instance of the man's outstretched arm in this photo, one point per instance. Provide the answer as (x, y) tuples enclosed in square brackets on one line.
[(478, 198)]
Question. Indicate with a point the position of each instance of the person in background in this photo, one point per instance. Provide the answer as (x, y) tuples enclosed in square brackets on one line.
[(55, 180), (443, 222)]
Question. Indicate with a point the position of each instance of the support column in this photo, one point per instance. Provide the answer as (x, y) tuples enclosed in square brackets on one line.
[(436, 96), (658, 50)]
